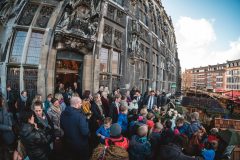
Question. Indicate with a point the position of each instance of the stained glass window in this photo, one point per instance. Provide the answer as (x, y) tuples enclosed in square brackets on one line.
[(18, 45), (120, 2)]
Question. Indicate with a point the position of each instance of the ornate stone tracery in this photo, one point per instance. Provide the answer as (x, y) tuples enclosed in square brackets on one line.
[(107, 38), (118, 39), (81, 18), (44, 16), (28, 14)]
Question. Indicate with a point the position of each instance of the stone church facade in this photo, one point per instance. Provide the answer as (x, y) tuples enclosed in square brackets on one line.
[(114, 43)]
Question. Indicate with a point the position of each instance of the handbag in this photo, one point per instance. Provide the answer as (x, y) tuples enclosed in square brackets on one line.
[(58, 144)]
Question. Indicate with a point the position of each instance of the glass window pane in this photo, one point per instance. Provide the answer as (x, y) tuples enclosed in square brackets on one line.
[(34, 48), (30, 81), (103, 60), (119, 2), (115, 62), (13, 78), (18, 46), (28, 14)]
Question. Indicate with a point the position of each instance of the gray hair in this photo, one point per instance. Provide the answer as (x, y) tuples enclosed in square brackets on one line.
[(194, 115), (74, 101)]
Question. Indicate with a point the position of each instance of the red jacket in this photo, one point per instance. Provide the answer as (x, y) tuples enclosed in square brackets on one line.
[(120, 142)]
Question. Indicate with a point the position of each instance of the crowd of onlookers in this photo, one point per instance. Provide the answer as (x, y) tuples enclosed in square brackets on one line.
[(104, 126)]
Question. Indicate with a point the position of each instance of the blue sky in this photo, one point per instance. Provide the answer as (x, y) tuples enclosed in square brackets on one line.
[(214, 26)]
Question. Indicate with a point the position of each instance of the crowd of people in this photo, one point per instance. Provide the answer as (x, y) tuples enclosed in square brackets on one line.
[(103, 126)]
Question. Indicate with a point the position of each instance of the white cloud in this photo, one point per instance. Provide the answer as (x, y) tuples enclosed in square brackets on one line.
[(195, 38)]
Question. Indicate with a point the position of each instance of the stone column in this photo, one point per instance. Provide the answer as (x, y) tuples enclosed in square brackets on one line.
[(50, 72), (87, 73)]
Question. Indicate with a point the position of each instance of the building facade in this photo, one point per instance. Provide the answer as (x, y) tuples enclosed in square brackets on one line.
[(217, 78), (115, 43)]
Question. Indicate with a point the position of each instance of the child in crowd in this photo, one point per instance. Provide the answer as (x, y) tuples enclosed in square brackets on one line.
[(104, 130), (155, 136), (182, 126), (143, 111), (140, 147), (116, 138), (123, 119), (156, 112), (208, 152), (150, 123)]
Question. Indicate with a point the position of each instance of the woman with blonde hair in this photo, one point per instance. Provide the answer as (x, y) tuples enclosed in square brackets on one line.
[(60, 98)]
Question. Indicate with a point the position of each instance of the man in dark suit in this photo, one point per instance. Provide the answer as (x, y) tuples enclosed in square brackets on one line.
[(139, 99), (114, 108), (151, 100)]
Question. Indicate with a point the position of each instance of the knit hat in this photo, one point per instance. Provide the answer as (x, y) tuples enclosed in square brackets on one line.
[(54, 100), (115, 130)]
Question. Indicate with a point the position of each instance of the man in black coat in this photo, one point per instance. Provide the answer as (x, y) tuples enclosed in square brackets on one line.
[(139, 99), (75, 126), (10, 100), (34, 139), (114, 108)]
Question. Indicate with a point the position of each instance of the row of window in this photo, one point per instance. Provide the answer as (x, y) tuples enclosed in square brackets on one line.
[(233, 72), (233, 80), (235, 86)]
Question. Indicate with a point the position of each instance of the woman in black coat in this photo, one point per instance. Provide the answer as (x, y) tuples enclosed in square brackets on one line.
[(33, 139)]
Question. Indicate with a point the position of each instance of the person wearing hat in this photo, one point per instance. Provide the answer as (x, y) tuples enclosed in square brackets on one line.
[(116, 138)]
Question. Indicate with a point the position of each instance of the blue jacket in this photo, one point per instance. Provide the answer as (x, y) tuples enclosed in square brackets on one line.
[(105, 132), (184, 129), (194, 127), (208, 154), (75, 126), (123, 122)]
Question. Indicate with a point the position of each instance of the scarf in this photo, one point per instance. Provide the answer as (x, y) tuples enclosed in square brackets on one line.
[(56, 109), (141, 139), (24, 99), (43, 120)]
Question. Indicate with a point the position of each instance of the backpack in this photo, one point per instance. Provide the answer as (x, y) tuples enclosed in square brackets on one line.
[(112, 152), (86, 107)]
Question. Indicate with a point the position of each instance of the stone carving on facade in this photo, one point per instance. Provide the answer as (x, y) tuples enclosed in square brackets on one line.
[(44, 16), (107, 36), (81, 18), (110, 12), (79, 24), (134, 2), (118, 39), (28, 14), (151, 6), (9, 9)]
